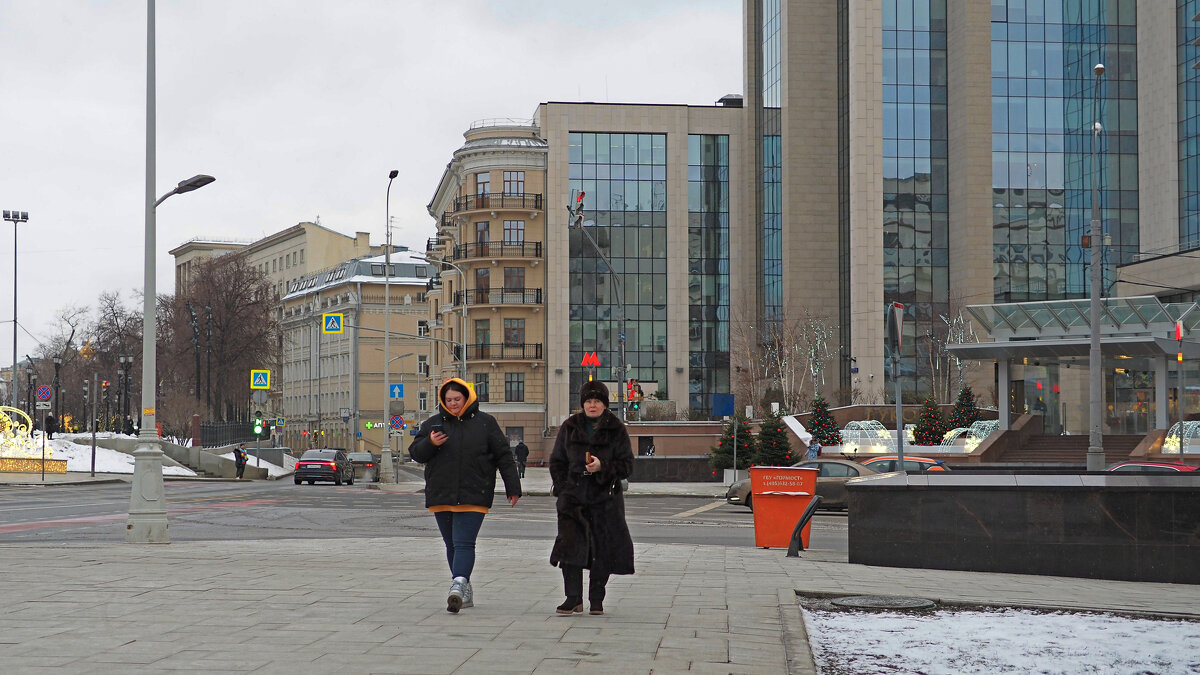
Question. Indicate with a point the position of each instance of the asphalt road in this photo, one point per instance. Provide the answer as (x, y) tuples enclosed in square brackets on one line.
[(281, 510)]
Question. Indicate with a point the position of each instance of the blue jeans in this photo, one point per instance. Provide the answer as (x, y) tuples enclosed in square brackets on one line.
[(459, 531)]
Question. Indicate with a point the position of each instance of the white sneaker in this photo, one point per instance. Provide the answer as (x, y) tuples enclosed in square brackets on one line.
[(454, 600), (468, 596)]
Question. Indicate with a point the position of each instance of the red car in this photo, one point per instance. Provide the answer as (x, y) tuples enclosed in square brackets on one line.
[(1151, 467)]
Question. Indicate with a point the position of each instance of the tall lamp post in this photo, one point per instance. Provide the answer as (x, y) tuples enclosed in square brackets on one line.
[(15, 217), (575, 219), (57, 394), (1095, 452), (147, 523), (386, 470), (126, 363), (462, 332), (29, 391)]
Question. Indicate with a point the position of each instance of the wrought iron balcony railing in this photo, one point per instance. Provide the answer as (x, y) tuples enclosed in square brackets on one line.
[(502, 200), (502, 351), (523, 249), (499, 296)]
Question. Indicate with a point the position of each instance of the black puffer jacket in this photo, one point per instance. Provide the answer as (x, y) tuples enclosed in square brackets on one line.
[(463, 469), (592, 531)]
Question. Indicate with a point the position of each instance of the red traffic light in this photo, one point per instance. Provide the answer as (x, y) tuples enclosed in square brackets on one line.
[(1178, 330)]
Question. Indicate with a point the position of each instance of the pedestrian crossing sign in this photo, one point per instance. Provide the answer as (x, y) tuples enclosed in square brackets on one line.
[(260, 379), (331, 323)]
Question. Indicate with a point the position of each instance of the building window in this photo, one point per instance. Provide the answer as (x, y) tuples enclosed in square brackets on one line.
[(514, 278), (423, 365), (423, 401), (514, 387), (514, 232), (422, 328), (481, 387), (483, 335), (514, 332), (515, 435), (301, 256), (483, 183), (514, 182)]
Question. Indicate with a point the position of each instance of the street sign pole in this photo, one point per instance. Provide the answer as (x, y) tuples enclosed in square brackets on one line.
[(95, 378)]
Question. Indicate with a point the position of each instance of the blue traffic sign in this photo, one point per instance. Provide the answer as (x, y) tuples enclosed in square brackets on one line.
[(260, 379), (44, 392), (397, 391), (331, 323)]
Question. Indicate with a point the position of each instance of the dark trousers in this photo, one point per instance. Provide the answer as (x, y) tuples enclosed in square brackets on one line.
[(521, 468), (573, 583), (459, 531), (241, 468)]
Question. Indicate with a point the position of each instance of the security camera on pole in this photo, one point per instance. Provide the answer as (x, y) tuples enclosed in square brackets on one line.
[(575, 219)]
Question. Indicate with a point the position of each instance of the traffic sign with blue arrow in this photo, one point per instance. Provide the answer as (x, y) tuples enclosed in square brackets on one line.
[(397, 391)]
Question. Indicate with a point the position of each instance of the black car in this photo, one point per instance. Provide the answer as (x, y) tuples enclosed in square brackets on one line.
[(324, 464), (366, 466)]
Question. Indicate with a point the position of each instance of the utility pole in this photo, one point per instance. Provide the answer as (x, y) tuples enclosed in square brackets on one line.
[(575, 219)]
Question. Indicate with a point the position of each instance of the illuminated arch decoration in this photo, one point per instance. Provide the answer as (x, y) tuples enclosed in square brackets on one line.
[(1179, 437), (867, 436), (19, 450)]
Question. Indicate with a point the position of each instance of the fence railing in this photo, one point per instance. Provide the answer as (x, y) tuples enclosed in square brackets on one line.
[(522, 249), (481, 351), (213, 434), (499, 296), (500, 200)]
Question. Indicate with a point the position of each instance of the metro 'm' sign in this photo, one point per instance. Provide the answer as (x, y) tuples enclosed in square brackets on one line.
[(590, 359)]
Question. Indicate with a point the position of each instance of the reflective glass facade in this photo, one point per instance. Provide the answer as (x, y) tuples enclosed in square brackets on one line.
[(1044, 100), (1188, 78), (625, 178), (708, 269), (916, 201), (770, 180)]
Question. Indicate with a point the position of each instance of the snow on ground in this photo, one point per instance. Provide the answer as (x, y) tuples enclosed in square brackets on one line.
[(77, 450), (960, 641), (273, 470)]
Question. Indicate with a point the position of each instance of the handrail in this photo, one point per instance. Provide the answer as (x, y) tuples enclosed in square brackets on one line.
[(797, 544), (503, 351), (500, 200), (484, 249), (499, 296)]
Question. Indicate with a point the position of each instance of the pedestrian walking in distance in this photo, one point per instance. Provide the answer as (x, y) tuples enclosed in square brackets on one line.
[(240, 458), (591, 456), (462, 447), (814, 450), (521, 452)]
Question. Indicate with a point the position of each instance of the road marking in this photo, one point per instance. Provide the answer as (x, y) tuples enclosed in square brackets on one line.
[(699, 509)]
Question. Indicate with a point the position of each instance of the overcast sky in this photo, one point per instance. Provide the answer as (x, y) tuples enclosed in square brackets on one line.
[(299, 108)]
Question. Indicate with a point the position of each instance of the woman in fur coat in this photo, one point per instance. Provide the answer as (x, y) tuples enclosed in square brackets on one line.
[(591, 456)]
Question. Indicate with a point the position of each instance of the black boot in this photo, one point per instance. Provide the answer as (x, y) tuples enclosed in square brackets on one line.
[(570, 606)]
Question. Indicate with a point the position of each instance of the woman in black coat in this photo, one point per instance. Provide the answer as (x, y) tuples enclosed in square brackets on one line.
[(461, 448), (591, 456)]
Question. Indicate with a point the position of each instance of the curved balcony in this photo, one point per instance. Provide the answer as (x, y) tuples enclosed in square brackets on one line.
[(490, 250), (498, 296), (525, 201), (504, 352)]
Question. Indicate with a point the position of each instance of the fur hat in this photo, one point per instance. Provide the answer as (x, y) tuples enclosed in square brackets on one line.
[(594, 389)]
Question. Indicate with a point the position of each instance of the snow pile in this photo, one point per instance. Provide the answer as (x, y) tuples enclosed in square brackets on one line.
[(958, 641), (78, 453)]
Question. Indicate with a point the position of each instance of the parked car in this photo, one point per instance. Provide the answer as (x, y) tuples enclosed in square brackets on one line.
[(366, 466), (831, 482), (325, 464), (1151, 467), (889, 463)]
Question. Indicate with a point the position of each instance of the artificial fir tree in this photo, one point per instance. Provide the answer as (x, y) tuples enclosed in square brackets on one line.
[(774, 449), (965, 411), (822, 425), (932, 426), (722, 455)]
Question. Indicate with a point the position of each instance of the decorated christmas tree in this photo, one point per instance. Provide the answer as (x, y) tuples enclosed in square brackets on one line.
[(932, 426), (822, 425), (722, 455), (965, 411), (774, 448)]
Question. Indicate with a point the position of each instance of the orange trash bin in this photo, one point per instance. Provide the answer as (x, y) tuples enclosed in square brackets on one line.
[(781, 494)]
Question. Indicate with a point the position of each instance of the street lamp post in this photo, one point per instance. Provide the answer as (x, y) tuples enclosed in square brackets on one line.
[(32, 378), (386, 470), (15, 217), (147, 523), (462, 332), (57, 394), (575, 219), (126, 364), (1095, 452)]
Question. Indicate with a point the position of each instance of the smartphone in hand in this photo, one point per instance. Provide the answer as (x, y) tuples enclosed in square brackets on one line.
[(588, 457)]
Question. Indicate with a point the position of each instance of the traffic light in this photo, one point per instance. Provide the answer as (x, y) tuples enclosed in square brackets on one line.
[(635, 404), (258, 423), (104, 387), (86, 389)]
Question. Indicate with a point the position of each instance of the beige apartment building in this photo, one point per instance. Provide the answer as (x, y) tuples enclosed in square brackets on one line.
[(331, 384), (491, 232)]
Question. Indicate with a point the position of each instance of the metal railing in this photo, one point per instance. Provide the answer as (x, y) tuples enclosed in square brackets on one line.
[(524, 200), (213, 434), (522, 249), (501, 351), (499, 296)]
